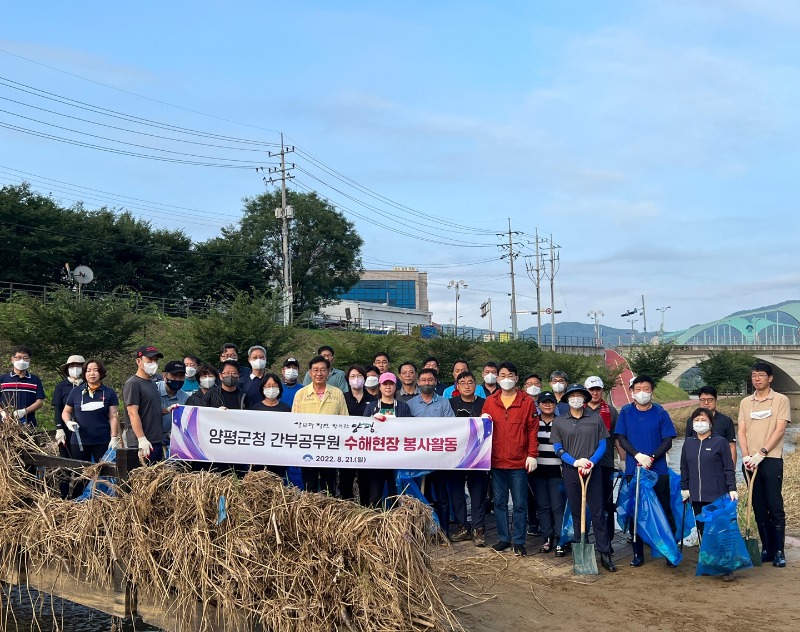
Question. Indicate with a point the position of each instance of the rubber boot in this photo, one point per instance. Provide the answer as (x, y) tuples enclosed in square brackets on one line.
[(767, 547), (638, 552), (779, 560)]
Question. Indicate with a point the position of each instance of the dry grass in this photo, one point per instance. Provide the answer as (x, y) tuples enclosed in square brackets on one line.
[(288, 560)]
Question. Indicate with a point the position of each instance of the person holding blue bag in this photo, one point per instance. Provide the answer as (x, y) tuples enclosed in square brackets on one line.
[(707, 469)]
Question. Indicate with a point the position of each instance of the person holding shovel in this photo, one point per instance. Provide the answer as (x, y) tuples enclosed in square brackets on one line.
[(707, 469), (579, 438)]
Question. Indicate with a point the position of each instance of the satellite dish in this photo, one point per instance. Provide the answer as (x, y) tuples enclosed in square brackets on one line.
[(83, 275)]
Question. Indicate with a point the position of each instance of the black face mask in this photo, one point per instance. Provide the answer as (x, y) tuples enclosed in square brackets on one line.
[(175, 385), (230, 380), (427, 389)]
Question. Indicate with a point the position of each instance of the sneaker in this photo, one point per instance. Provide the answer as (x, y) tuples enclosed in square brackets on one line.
[(533, 531), (727, 577), (461, 534), (478, 538), (560, 552), (501, 546), (520, 550)]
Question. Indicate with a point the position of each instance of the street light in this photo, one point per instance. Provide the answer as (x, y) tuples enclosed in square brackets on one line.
[(596, 314), (662, 310), (633, 333), (457, 285)]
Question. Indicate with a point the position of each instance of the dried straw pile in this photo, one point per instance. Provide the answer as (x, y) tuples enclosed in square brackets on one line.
[(290, 560)]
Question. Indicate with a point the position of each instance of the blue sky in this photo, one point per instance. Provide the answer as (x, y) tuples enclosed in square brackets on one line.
[(656, 141)]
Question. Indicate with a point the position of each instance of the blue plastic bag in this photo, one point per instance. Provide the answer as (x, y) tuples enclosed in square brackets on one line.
[(567, 528), (407, 484), (677, 504), (652, 524), (104, 485), (722, 549)]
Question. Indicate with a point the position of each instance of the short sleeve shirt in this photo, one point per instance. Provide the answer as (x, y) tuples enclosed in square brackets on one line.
[(759, 418), (91, 411), (579, 437), (144, 394), (645, 430), (20, 392)]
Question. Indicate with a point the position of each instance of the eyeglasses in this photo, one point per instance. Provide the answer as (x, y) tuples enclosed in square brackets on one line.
[(707, 400)]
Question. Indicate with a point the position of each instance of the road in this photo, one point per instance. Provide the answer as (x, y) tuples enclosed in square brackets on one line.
[(620, 393)]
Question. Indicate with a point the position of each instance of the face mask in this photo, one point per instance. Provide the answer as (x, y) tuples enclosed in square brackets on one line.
[(558, 387), (357, 382), (191, 371), (507, 383), (21, 365), (75, 372), (290, 375), (575, 402), (258, 364), (207, 382), (642, 398), (533, 391), (490, 378), (701, 427), (427, 389), (175, 385), (151, 368), (271, 392), (371, 381), (230, 380)]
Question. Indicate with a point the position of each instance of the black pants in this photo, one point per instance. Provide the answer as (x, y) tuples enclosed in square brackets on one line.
[(697, 508), (347, 478), (378, 479), (319, 479), (607, 477), (661, 489), (594, 498), (436, 493), (477, 482), (768, 505)]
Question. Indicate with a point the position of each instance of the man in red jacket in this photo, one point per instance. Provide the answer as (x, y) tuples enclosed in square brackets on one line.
[(515, 446)]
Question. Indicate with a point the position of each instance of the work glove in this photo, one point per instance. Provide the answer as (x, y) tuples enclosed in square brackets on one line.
[(530, 464), (114, 443), (379, 417), (20, 414), (61, 437), (486, 416), (733, 495), (581, 463), (584, 471), (644, 460), (684, 495), (746, 462), (73, 426), (755, 459), (145, 447)]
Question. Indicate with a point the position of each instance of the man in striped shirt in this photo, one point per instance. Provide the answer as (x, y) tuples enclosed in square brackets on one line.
[(21, 392)]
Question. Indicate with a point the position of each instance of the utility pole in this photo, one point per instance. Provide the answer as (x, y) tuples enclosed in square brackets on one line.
[(644, 322), (457, 285), (511, 257), (662, 310), (285, 213), (553, 271), (535, 273), (596, 314)]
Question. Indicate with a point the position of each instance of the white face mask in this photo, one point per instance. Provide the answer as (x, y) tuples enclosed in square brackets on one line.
[(490, 378), (290, 374), (21, 365), (271, 392), (642, 398), (507, 383), (701, 427), (575, 402), (75, 372), (371, 381), (533, 391), (258, 364), (151, 368), (191, 371), (357, 382), (207, 382), (558, 387)]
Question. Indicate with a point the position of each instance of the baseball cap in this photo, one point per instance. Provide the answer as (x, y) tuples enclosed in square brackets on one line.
[(387, 377), (291, 362), (593, 382), (174, 366), (148, 352), (546, 396)]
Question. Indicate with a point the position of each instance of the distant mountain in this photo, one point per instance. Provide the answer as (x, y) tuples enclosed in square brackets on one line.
[(611, 335)]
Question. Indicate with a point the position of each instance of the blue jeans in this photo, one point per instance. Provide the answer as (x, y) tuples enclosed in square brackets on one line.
[(516, 482)]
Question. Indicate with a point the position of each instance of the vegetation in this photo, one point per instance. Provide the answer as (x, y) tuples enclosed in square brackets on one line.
[(727, 370), (652, 360)]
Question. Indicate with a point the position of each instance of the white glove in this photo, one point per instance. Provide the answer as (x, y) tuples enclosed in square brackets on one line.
[(486, 416), (755, 459), (746, 462), (114, 443), (733, 495), (20, 414), (684, 495), (73, 426), (644, 460), (3, 415), (530, 464), (379, 417), (145, 447), (61, 437), (581, 463), (584, 471)]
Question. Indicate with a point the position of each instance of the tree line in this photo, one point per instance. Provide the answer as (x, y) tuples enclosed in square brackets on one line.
[(128, 253)]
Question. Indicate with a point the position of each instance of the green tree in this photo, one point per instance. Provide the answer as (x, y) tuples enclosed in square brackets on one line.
[(360, 348), (577, 367), (104, 328), (526, 354), (244, 320), (727, 370), (324, 247), (449, 348), (653, 360)]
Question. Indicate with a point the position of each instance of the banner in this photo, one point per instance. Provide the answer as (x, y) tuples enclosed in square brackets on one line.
[(250, 437)]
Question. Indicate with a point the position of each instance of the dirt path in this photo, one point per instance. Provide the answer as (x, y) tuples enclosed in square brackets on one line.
[(535, 593)]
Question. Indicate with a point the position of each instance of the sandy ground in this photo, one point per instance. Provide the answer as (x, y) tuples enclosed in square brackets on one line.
[(491, 591)]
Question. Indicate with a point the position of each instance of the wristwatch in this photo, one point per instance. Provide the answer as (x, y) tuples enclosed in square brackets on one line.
[(764, 451)]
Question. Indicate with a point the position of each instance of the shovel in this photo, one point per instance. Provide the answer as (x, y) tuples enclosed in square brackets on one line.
[(583, 558), (753, 549)]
